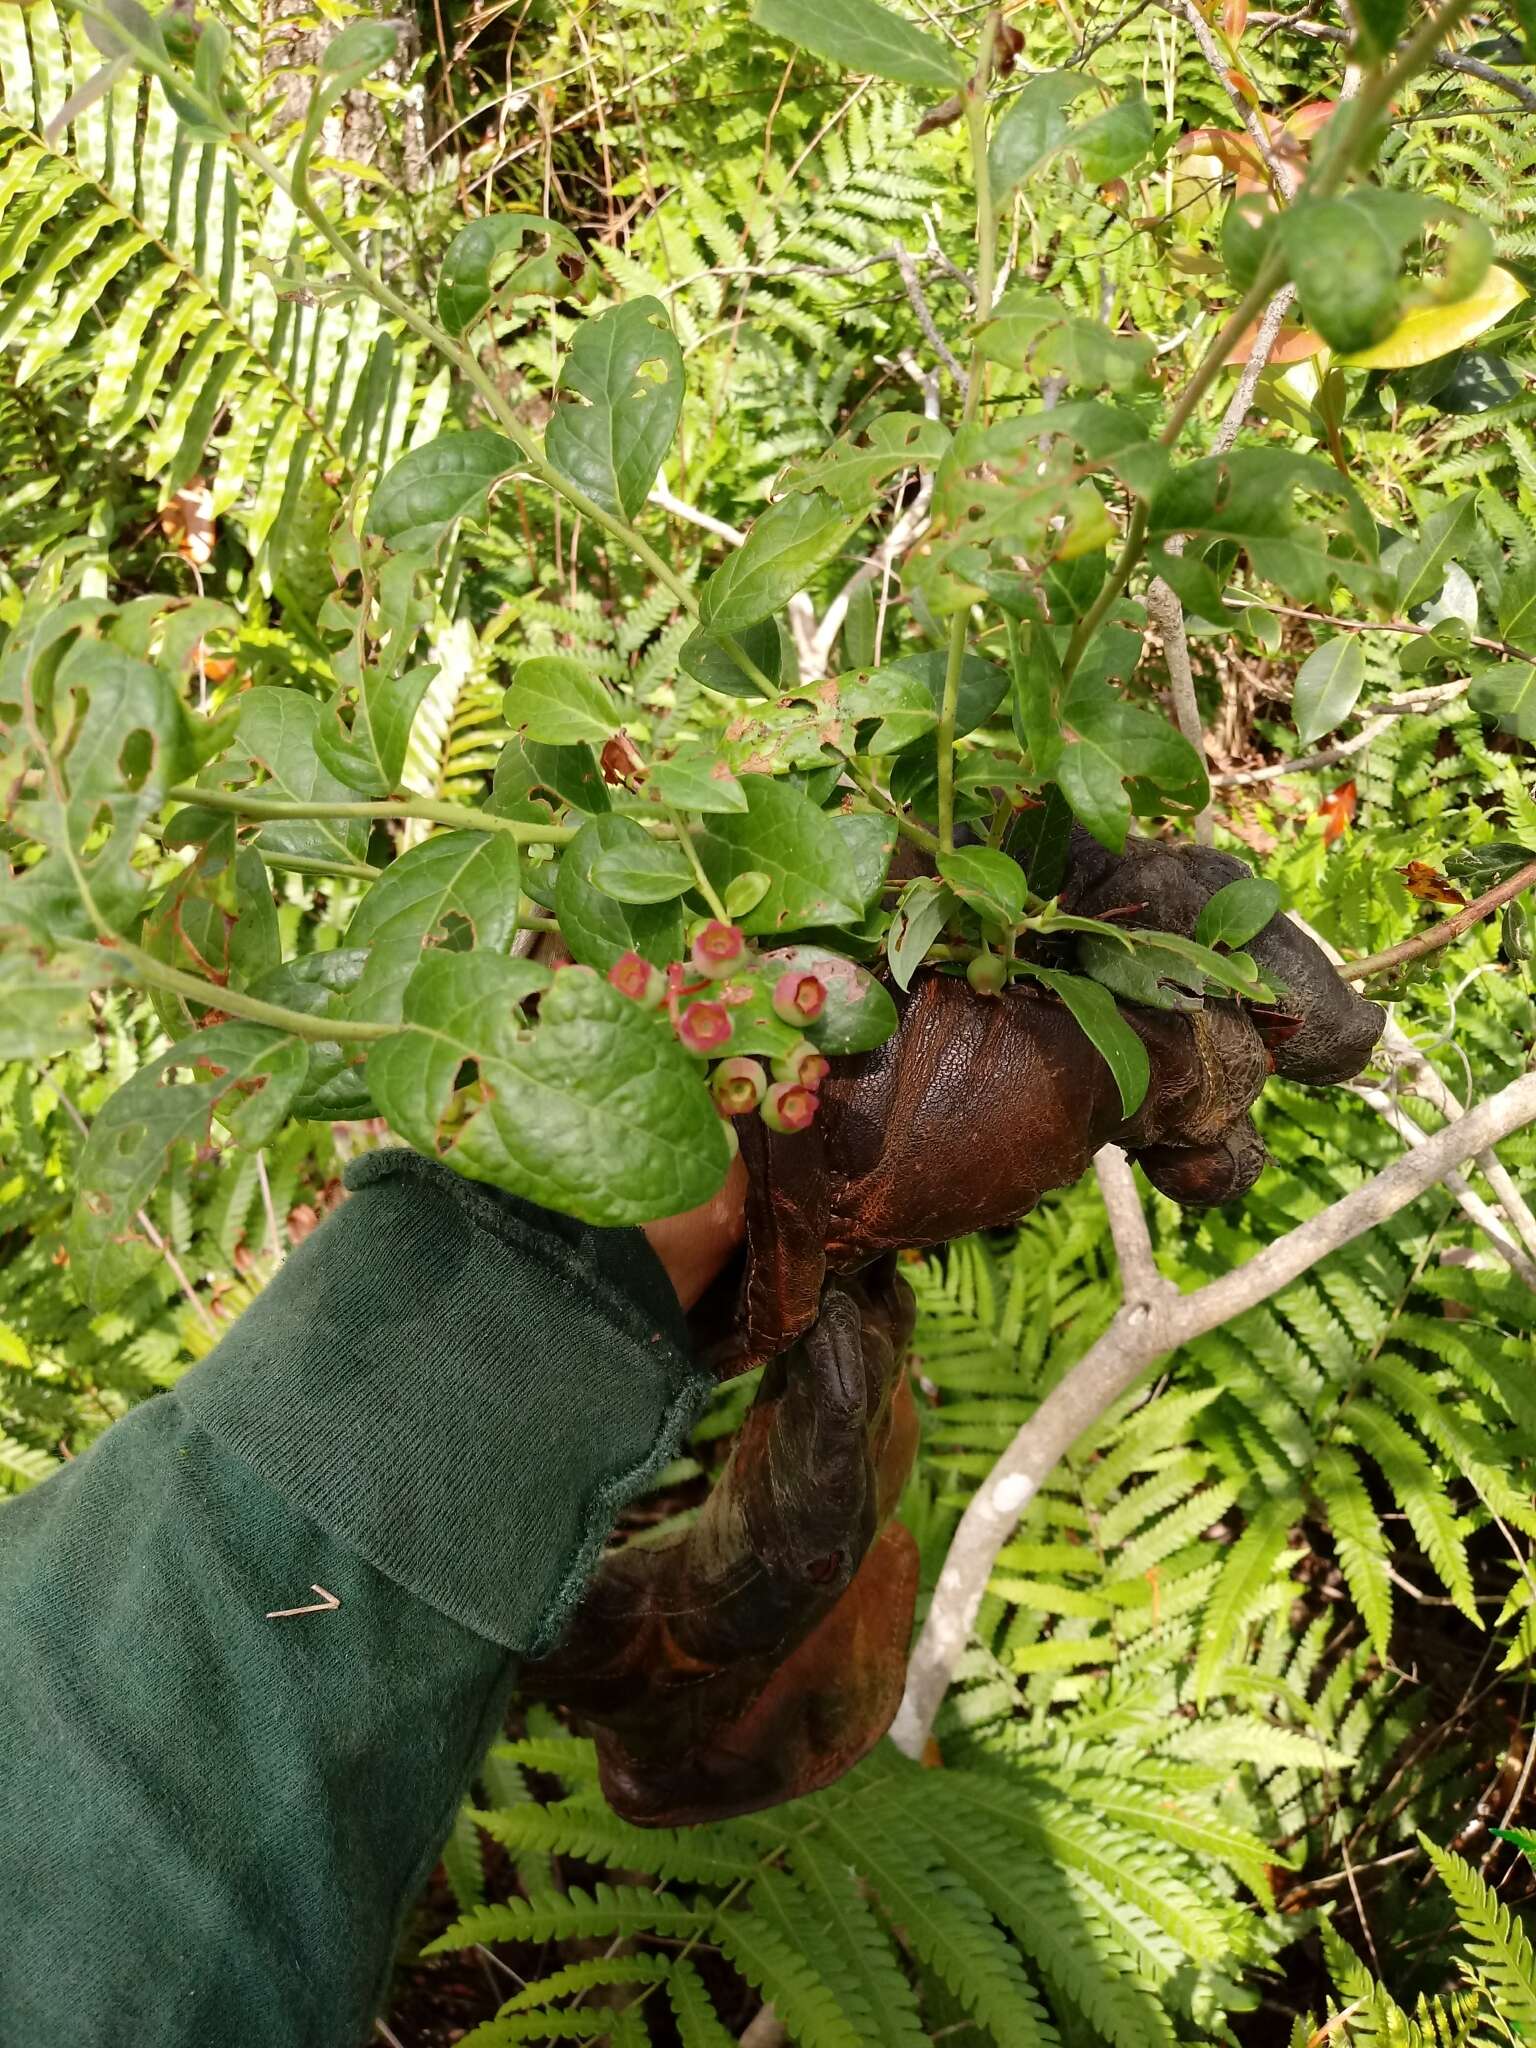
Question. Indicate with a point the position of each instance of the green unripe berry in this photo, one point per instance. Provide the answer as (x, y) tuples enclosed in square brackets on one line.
[(988, 974)]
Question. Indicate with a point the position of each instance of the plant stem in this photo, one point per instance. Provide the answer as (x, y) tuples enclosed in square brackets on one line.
[(909, 828), (1443, 933), (705, 886), (975, 93), (342, 870), (297, 1023), (428, 808)]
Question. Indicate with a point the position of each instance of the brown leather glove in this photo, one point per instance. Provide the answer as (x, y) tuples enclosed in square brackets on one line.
[(760, 1655), (980, 1105)]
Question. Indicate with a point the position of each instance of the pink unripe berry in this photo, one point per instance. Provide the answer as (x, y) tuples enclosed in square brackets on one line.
[(802, 1063), (739, 1085), (705, 1027), (719, 950), (987, 974), (799, 998), (635, 977), (788, 1107)]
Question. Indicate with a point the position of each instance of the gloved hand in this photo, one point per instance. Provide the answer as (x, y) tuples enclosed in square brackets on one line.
[(761, 1654), (980, 1105)]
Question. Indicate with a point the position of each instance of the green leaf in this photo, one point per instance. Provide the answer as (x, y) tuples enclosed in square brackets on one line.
[(1115, 141), (987, 882), (1507, 693), (864, 37), (594, 1110), (1032, 126), (1094, 1008), (252, 1076), (783, 835), (852, 466), (490, 261), (556, 701), (1119, 744), (1345, 265), (1328, 686), (859, 1013), (924, 908), (694, 780), (706, 658), (746, 890), (620, 392), (279, 730), (423, 493), (349, 57), (527, 772), (651, 873), (114, 740), (455, 891), (786, 546), (1246, 1571), (1029, 331), (698, 2025), (596, 926), (45, 1004), (1419, 569), (1237, 913), (1380, 23)]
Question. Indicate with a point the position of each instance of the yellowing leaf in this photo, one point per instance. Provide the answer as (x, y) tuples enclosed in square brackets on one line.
[(1430, 331)]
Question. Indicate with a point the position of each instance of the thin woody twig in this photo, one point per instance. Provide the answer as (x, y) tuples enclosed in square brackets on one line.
[(1406, 706), (909, 277), (1443, 933), (1139, 1278), (1137, 1336), (1281, 176), (1443, 60)]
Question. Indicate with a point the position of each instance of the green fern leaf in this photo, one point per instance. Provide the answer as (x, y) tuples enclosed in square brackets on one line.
[(808, 2005), (606, 1911), (1500, 1945), (698, 2025), (1358, 1536), (868, 1956), (1245, 1575)]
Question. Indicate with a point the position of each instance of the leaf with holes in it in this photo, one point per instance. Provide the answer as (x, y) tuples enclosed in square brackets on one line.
[(1328, 686), (1095, 1011), (45, 1004), (1029, 330), (864, 37), (786, 546), (620, 394), (594, 1109), (852, 466), (456, 891), (427, 489), (508, 256), (107, 739), (557, 702), (279, 732), (244, 1074)]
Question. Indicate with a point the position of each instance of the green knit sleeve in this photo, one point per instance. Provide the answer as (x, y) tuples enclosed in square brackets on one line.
[(213, 1813)]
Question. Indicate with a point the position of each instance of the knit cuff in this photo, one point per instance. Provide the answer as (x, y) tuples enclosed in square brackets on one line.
[(462, 1388)]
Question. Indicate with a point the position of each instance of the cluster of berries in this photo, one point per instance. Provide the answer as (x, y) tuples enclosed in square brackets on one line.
[(699, 1006)]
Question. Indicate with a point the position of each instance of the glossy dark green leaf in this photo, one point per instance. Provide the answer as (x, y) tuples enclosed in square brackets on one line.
[(1033, 124), (785, 547), (1237, 913), (1328, 686), (1419, 569), (596, 926), (620, 394), (594, 1109), (245, 1074), (859, 1013), (694, 780), (705, 657), (569, 775), (864, 37), (1477, 382), (423, 493), (650, 872), (1119, 744), (555, 700), (987, 882), (783, 835), (505, 256), (1094, 1008)]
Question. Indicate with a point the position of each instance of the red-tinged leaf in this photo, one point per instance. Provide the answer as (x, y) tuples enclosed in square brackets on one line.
[(1240, 82), (1338, 810), (1430, 887), (1234, 19), (1293, 345)]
